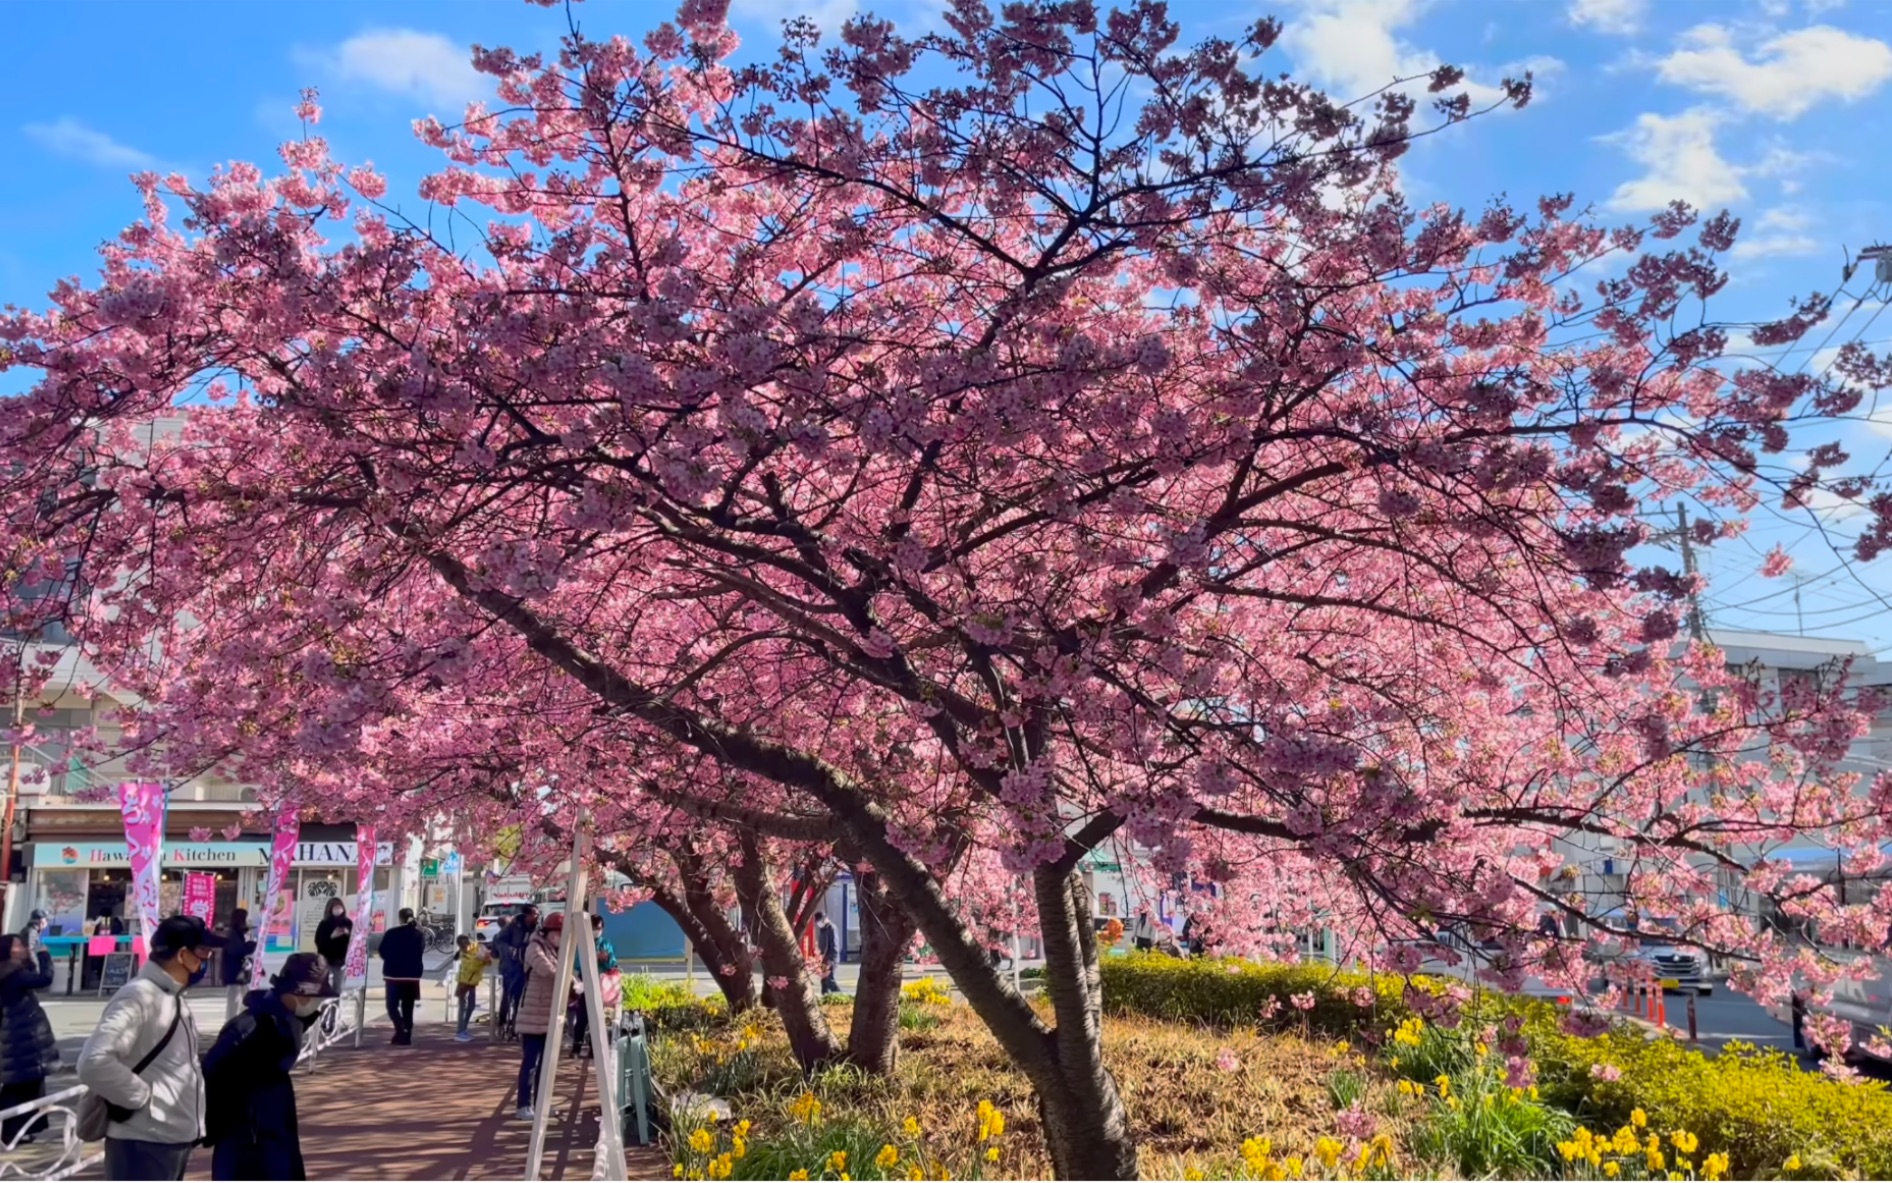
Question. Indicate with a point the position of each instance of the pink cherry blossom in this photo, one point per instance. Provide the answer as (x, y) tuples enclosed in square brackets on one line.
[(954, 535), (200, 833)]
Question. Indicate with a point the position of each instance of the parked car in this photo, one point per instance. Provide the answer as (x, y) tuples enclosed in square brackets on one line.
[(492, 918), (1658, 944)]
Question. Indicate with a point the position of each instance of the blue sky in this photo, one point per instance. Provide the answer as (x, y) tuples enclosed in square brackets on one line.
[(1778, 109)]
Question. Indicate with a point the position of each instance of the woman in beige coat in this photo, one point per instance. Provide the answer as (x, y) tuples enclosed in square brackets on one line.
[(535, 1005)]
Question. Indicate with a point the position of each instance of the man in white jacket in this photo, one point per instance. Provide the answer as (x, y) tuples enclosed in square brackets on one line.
[(157, 1112)]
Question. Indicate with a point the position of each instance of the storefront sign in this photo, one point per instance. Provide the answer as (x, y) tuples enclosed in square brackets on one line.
[(200, 896), (342, 854), (276, 896), (143, 805), (86, 853)]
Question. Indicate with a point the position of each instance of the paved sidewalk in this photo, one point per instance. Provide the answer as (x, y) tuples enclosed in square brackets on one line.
[(75, 1018), (438, 1109)]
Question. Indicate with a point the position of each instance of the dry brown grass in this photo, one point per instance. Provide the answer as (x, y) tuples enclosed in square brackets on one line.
[(1187, 1110)]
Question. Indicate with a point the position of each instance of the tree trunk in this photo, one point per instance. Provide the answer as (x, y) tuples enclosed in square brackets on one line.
[(799, 1002), (873, 1041), (726, 955), (1077, 1098), (1086, 1129)]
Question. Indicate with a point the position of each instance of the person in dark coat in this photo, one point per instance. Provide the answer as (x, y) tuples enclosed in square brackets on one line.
[(234, 962), (331, 941), (828, 949), (403, 965), (250, 1103), (510, 948), (34, 934), (28, 1051)]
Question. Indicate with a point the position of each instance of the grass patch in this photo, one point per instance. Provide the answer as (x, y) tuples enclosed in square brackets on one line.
[(1196, 1096)]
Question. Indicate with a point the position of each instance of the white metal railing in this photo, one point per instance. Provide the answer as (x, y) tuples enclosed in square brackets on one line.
[(340, 1019), (37, 1119), (58, 1113)]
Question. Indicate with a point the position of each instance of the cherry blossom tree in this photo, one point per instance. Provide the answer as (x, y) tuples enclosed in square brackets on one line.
[(966, 451)]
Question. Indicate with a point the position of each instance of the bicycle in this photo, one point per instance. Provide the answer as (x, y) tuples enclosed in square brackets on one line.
[(439, 930)]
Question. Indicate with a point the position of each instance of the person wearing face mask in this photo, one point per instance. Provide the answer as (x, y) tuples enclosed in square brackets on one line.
[(536, 1000), (331, 940), (28, 1051), (142, 1060), (250, 1115)]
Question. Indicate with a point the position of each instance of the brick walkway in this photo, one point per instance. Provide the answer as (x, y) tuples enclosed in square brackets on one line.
[(436, 1110), (441, 1110)]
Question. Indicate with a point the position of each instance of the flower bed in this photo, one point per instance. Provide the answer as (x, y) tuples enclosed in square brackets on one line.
[(1204, 1103), (1760, 1110)]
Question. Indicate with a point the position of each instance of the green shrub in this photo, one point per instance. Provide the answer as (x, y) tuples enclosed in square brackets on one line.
[(1230, 992), (1759, 1107)]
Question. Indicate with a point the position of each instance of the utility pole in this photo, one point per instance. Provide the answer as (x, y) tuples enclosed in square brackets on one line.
[(1697, 627)]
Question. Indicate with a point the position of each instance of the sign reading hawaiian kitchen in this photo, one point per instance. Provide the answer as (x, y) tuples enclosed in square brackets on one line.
[(204, 854)]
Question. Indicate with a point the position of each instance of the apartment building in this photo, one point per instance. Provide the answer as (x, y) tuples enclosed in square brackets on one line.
[(1597, 867), (64, 849)]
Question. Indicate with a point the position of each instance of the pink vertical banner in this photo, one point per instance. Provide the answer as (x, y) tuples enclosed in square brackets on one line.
[(276, 900), (357, 965), (143, 806), (200, 896)]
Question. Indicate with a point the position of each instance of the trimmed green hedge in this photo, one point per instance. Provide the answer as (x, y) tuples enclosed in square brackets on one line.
[(1757, 1106), (1227, 992)]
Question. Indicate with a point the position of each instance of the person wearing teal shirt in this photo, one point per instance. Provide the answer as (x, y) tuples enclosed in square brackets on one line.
[(607, 965)]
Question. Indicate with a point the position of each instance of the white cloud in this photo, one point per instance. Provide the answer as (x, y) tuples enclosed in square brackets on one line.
[(1778, 232), (828, 15), (1789, 75), (1621, 17), (1353, 48), (1679, 152), (68, 137), (405, 61), (1831, 508)]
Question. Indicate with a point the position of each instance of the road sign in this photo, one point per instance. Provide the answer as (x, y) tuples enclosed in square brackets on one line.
[(429, 867), (451, 864)]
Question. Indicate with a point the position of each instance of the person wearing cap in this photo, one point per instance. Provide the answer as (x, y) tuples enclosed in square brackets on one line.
[(534, 1019), (403, 964), (250, 1118), (157, 1113)]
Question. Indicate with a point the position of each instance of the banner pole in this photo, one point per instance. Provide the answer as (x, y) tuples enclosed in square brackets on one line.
[(276, 904), (561, 991), (603, 1043)]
